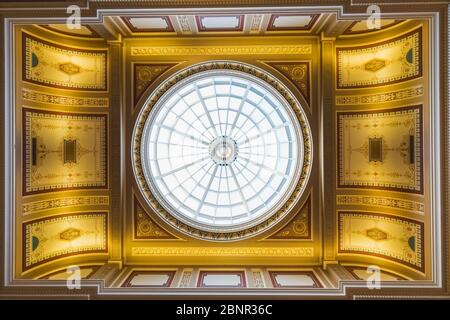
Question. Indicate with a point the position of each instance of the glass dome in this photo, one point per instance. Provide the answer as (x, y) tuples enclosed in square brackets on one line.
[(220, 150)]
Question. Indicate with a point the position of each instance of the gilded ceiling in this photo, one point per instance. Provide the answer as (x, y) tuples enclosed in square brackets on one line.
[(333, 162)]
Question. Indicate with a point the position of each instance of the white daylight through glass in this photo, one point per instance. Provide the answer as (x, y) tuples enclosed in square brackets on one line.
[(221, 150)]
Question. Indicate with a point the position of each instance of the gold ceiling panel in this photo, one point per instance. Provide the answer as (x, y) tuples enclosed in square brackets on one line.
[(64, 151), (387, 62), (59, 66), (392, 237), (64, 235)]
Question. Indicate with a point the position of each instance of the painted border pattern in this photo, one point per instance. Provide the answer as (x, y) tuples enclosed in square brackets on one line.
[(387, 202), (398, 95), (222, 251), (63, 101), (142, 51), (66, 202)]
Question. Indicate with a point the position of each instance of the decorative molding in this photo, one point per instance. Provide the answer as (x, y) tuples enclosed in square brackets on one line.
[(298, 72), (185, 279), (381, 201), (255, 25), (399, 59), (398, 95), (222, 251), (66, 202), (382, 235), (299, 228), (63, 101), (57, 66), (65, 235), (146, 228), (184, 24), (145, 74), (221, 50), (44, 169), (258, 279), (237, 67), (401, 131)]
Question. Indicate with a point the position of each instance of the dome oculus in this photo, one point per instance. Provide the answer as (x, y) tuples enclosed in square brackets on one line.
[(221, 151)]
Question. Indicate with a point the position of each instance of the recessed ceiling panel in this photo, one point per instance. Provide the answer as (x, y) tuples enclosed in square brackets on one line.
[(149, 24), (280, 22), (220, 23)]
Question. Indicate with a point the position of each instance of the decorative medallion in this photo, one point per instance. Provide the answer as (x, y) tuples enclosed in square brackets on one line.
[(146, 228), (298, 73), (146, 74)]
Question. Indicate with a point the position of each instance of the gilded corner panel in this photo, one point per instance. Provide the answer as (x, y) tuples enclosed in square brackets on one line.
[(299, 228), (382, 63), (65, 235), (145, 74), (387, 236), (58, 66), (63, 151), (381, 149), (146, 228), (298, 72)]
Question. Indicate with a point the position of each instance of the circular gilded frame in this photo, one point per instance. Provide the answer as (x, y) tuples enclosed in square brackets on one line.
[(226, 234)]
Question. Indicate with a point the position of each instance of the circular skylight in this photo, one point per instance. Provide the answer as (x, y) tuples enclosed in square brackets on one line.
[(221, 150)]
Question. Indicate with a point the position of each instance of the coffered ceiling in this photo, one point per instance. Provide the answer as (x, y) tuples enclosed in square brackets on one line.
[(356, 177)]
